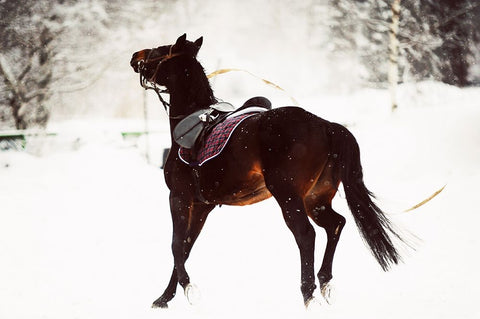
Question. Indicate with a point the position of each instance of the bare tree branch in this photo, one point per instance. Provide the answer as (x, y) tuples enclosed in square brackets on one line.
[(84, 85)]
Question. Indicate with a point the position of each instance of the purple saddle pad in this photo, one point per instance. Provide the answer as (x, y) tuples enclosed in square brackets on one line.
[(214, 143)]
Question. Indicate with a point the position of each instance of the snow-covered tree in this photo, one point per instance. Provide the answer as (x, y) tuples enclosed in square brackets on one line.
[(437, 38), (52, 48), (458, 24), (25, 70)]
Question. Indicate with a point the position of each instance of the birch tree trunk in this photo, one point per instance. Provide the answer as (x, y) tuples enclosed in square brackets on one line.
[(393, 53)]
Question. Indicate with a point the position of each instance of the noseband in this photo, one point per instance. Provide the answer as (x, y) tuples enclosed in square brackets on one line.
[(150, 84)]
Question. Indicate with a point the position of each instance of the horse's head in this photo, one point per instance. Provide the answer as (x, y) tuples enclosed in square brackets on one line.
[(155, 64)]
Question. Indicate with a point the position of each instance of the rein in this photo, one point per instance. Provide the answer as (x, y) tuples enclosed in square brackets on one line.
[(149, 84)]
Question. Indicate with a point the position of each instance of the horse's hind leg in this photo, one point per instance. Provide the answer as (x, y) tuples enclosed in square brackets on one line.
[(185, 235), (324, 216), (295, 216)]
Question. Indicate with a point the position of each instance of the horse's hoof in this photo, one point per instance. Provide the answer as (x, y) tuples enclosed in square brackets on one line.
[(159, 303), (193, 294), (327, 290), (312, 304)]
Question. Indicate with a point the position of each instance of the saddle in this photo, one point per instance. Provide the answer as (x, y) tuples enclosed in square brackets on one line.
[(192, 130)]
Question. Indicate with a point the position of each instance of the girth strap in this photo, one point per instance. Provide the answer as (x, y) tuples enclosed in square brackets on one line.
[(196, 184)]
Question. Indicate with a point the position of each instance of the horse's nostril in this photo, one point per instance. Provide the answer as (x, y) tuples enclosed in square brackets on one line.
[(138, 67)]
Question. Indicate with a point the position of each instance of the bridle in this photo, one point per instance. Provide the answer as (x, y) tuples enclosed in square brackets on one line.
[(150, 84)]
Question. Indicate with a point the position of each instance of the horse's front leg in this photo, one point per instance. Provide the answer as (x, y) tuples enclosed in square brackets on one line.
[(188, 219)]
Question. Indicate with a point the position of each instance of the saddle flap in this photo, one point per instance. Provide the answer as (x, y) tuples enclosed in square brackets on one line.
[(187, 131)]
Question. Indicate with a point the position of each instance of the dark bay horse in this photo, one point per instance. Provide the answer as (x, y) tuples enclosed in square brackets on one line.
[(288, 153)]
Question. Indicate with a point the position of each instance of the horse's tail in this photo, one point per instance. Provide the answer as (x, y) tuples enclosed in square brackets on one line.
[(371, 221)]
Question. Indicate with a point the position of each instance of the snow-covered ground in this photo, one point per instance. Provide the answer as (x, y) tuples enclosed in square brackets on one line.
[(85, 226)]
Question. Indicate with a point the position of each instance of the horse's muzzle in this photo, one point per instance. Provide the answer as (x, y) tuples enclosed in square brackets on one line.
[(136, 59)]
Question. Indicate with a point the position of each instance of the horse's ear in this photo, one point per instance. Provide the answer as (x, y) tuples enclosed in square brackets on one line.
[(198, 43), (181, 41)]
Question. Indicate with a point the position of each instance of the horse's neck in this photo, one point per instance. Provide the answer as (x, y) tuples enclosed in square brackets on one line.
[(190, 94)]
